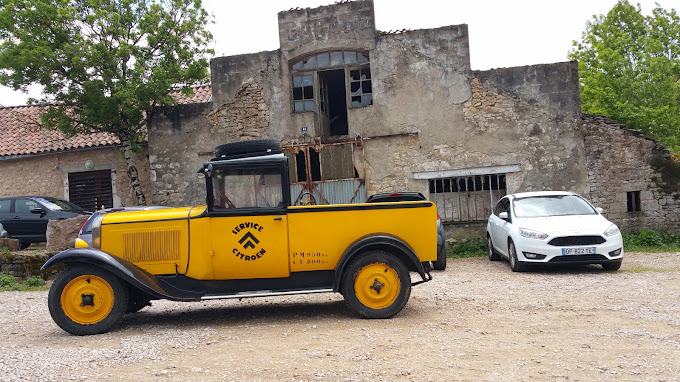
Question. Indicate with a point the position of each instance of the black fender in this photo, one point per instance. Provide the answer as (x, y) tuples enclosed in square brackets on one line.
[(122, 268), (382, 242)]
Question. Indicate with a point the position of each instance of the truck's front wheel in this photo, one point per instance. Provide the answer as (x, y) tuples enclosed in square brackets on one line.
[(376, 285), (87, 300)]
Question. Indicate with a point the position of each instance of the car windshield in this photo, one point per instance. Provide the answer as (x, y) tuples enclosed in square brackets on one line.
[(59, 205), (551, 205)]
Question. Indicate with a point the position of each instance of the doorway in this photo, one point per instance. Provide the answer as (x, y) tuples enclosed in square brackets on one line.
[(333, 86)]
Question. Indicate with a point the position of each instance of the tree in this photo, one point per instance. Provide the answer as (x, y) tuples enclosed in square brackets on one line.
[(104, 65), (629, 69)]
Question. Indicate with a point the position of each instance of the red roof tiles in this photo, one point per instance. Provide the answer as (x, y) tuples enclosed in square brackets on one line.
[(21, 132)]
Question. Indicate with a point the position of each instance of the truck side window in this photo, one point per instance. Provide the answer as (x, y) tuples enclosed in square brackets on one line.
[(247, 188)]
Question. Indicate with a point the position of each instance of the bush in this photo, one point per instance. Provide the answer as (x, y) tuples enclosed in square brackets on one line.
[(469, 247), (8, 282), (651, 241)]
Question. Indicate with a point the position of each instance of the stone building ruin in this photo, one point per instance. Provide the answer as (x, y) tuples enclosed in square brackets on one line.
[(360, 111)]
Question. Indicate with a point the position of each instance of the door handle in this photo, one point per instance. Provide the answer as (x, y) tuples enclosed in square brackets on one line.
[(279, 218)]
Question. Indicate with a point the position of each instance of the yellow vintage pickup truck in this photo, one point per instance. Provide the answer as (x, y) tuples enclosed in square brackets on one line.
[(246, 241)]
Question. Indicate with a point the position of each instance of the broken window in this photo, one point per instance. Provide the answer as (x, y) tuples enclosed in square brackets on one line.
[(467, 198), (91, 190), (303, 93), (633, 201), (360, 85)]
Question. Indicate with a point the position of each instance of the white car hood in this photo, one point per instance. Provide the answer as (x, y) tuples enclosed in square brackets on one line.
[(566, 225)]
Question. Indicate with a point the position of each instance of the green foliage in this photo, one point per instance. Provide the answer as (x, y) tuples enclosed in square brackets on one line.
[(629, 68), (5, 251), (651, 241), (469, 247), (11, 283)]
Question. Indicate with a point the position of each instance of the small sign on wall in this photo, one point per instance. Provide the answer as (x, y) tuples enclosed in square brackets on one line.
[(304, 129)]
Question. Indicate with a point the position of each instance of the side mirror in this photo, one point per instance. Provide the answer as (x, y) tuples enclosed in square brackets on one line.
[(503, 215), (38, 210), (599, 210)]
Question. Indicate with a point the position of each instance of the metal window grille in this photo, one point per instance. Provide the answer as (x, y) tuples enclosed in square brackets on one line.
[(90, 190), (468, 198)]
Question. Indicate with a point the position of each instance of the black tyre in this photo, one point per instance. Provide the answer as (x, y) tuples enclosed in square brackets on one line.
[(493, 255), (612, 265), (440, 264), (85, 299), (253, 147), (137, 300), (515, 264), (376, 285)]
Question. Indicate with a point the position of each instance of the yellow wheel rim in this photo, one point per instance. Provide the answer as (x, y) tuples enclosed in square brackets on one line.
[(377, 286), (87, 299)]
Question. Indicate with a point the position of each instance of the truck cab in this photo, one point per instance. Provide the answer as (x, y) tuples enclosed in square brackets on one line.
[(248, 240)]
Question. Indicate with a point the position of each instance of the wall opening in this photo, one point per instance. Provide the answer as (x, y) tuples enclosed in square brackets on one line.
[(467, 198), (91, 190), (332, 85), (633, 201)]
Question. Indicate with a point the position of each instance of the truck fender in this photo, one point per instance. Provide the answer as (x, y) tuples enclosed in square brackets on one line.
[(124, 269), (384, 243)]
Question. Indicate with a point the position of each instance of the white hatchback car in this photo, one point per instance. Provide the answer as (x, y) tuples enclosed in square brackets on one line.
[(554, 227)]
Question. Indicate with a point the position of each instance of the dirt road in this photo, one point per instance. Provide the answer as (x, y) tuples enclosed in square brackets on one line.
[(476, 321)]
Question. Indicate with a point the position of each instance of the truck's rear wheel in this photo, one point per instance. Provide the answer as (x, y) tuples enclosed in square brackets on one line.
[(376, 285), (87, 300)]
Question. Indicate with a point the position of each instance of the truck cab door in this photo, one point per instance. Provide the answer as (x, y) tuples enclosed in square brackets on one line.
[(248, 222)]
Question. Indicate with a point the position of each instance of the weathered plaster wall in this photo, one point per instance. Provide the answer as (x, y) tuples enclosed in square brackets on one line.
[(619, 160), (47, 175)]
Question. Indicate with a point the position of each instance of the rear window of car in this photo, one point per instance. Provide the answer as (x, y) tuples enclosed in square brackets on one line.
[(59, 205), (552, 205), (4, 205)]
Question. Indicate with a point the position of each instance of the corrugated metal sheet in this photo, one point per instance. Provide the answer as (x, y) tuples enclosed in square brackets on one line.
[(149, 246)]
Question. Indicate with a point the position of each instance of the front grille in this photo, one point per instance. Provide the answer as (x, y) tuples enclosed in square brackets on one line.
[(570, 241), (150, 246), (579, 259)]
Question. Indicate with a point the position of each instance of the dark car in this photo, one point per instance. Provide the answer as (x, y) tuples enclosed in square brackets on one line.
[(25, 217), (410, 196)]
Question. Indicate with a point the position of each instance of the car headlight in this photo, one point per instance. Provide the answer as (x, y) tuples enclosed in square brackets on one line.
[(531, 234), (612, 230)]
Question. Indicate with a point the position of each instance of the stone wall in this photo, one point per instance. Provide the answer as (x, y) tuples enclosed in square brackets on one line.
[(47, 175), (181, 139), (620, 160)]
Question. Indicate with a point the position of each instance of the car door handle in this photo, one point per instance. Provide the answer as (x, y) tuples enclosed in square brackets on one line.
[(279, 218)]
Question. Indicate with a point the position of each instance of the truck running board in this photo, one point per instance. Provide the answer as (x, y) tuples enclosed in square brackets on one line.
[(264, 293)]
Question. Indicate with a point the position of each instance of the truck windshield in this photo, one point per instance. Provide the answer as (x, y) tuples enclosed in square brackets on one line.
[(247, 188)]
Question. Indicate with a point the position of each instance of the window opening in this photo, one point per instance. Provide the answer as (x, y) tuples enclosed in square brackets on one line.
[(301, 166), (91, 190), (247, 188), (469, 198), (633, 202), (361, 88), (334, 81), (303, 93), (315, 165)]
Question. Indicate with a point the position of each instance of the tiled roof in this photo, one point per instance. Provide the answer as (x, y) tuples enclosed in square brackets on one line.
[(21, 132), (202, 94)]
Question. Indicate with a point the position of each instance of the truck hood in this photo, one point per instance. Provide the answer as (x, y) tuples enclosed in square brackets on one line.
[(151, 215), (594, 224)]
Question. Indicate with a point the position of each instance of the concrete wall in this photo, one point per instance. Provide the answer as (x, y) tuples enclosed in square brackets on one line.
[(47, 174), (620, 160)]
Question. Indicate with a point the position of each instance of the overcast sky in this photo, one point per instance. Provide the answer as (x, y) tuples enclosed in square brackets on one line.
[(503, 33)]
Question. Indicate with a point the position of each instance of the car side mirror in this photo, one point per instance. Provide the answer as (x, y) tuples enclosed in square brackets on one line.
[(503, 215), (38, 210), (599, 210)]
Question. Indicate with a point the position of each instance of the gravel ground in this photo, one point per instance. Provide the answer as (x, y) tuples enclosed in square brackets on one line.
[(475, 321)]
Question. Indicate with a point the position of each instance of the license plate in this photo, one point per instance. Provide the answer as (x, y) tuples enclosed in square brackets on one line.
[(578, 251)]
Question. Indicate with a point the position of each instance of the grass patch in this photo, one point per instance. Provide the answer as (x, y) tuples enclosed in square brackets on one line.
[(11, 283), (651, 241), (472, 246)]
